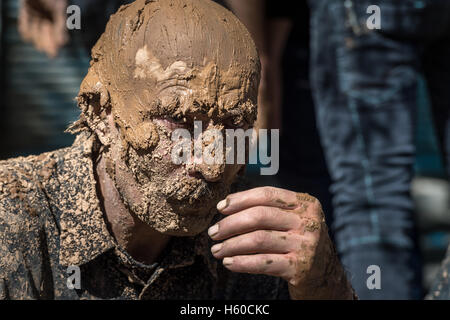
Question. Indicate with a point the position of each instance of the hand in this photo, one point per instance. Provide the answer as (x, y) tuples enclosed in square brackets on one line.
[(280, 233), (43, 23)]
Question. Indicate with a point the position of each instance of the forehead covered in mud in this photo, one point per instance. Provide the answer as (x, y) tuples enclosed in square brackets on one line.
[(177, 58)]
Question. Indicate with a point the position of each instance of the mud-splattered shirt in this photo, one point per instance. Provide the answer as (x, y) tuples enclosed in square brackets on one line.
[(52, 226)]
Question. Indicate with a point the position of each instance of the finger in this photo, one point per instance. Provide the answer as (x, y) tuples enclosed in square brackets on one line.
[(278, 265), (255, 218), (266, 218), (263, 196), (260, 241)]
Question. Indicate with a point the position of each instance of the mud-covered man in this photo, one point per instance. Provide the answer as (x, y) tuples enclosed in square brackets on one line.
[(116, 208)]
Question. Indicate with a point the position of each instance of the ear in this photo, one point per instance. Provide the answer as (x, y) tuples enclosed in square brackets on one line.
[(104, 126), (94, 102)]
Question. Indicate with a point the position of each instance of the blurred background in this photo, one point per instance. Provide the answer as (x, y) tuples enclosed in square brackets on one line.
[(38, 88)]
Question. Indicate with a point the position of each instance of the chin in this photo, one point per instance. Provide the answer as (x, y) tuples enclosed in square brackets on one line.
[(186, 226), (181, 220), (195, 208)]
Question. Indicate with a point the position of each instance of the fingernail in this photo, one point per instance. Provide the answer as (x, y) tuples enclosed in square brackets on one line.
[(213, 230), (222, 204), (216, 248), (227, 261)]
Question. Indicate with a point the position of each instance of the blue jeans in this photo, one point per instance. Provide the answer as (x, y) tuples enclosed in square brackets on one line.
[(365, 89)]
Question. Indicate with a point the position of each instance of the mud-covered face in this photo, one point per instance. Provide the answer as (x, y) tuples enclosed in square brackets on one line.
[(178, 199), (161, 65)]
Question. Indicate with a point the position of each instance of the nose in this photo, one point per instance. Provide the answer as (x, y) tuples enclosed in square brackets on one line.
[(209, 155), (211, 172)]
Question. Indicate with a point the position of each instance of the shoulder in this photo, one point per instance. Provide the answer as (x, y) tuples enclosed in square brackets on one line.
[(22, 180), (21, 185), (31, 189)]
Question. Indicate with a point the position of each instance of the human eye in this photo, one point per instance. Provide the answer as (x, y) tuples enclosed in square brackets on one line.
[(178, 118), (174, 122)]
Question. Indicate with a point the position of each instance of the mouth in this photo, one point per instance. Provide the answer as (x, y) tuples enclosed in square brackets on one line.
[(193, 196), (189, 190)]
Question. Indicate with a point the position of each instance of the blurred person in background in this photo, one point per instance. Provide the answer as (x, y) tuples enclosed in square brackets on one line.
[(43, 64), (365, 89), (43, 22), (37, 93)]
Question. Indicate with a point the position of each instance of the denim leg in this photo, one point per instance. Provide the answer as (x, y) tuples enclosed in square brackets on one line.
[(365, 92)]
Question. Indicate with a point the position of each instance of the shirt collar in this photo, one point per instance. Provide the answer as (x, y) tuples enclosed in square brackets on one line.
[(180, 252), (83, 231), (183, 251)]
